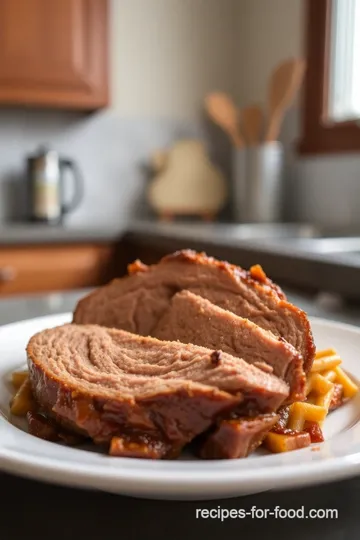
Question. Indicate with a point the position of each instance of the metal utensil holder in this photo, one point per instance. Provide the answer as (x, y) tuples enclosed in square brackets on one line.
[(257, 175)]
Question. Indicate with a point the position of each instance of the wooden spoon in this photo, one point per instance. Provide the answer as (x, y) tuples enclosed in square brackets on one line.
[(222, 110), (284, 83), (252, 120)]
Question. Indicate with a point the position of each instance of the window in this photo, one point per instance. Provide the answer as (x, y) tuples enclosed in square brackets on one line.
[(331, 121), (344, 74)]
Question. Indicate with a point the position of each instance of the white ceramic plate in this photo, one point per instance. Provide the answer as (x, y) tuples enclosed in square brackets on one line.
[(186, 478)]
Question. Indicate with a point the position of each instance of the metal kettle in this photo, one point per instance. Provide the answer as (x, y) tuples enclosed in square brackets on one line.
[(45, 180)]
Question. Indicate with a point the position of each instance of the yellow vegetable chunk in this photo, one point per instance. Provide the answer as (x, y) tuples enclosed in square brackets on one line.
[(301, 412), (329, 375), (318, 384), (23, 400), (326, 363), (349, 387), (278, 442), (325, 352), (18, 377)]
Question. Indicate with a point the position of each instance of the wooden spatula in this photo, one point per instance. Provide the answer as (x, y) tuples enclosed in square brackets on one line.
[(222, 110), (285, 81), (252, 120)]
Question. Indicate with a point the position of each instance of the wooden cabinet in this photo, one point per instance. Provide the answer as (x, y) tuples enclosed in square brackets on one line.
[(35, 269), (54, 53)]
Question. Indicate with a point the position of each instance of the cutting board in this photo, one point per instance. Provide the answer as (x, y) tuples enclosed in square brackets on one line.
[(185, 182)]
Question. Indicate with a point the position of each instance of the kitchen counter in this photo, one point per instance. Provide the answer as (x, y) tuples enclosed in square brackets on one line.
[(297, 240), (26, 234), (283, 237), (32, 509), (293, 254)]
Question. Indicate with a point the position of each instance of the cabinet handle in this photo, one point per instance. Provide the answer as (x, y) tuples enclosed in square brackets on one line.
[(7, 273)]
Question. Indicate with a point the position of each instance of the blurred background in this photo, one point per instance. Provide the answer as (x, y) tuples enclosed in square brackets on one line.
[(131, 128)]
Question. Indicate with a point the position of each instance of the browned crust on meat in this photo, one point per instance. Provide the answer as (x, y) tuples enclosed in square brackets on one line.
[(296, 378), (137, 266), (191, 256), (310, 344)]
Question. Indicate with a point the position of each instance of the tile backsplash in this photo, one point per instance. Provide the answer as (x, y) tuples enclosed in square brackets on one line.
[(111, 152)]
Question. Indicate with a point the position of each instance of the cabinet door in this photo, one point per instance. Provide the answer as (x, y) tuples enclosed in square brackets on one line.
[(34, 269), (54, 53)]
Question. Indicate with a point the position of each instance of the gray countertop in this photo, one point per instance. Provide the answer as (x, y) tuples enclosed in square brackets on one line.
[(301, 241), (294, 254), (27, 234), (297, 240)]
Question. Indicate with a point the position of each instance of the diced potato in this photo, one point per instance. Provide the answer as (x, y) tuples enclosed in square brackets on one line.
[(18, 377), (325, 352), (301, 411), (318, 383), (325, 363), (276, 442), (349, 387), (324, 400), (23, 400), (329, 375)]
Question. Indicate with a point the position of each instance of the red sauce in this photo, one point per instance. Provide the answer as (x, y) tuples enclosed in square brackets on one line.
[(314, 430)]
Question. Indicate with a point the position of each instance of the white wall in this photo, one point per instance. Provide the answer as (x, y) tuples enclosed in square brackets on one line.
[(269, 31), (167, 54)]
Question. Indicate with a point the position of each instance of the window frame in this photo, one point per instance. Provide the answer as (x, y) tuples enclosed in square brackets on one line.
[(319, 134)]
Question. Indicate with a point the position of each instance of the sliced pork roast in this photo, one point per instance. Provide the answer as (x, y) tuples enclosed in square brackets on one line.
[(136, 302), (192, 319), (136, 391)]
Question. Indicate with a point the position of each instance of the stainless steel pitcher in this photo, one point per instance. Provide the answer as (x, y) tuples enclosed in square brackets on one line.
[(45, 179)]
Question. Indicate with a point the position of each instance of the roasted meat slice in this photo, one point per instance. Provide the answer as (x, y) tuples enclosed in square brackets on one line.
[(192, 319), (237, 438), (137, 302), (109, 383)]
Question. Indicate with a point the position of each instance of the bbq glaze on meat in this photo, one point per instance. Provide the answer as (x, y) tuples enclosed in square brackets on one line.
[(108, 383), (192, 319), (46, 428), (237, 438), (137, 302)]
